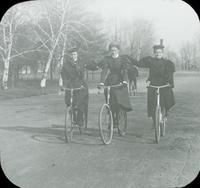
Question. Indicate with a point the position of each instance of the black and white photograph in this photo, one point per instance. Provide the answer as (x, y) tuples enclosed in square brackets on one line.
[(100, 94)]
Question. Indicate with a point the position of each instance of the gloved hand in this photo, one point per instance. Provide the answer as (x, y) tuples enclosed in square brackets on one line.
[(124, 83), (100, 85)]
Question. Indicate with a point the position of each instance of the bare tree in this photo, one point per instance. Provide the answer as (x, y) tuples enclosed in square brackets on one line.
[(11, 25), (189, 55), (138, 35), (61, 23), (173, 56), (48, 31)]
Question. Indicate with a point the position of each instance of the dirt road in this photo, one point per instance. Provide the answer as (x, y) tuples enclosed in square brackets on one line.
[(35, 155)]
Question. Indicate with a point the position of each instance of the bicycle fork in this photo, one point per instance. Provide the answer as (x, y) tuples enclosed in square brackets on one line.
[(108, 95), (158, 103)]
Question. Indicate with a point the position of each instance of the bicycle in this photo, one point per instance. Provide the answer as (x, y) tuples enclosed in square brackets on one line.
[(160, 121), (105, 119), (69, 116)]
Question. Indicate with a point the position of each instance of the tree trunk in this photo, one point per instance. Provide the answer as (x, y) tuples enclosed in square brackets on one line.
[(45, 74), (51, 71), (5, 73), (12, 77)]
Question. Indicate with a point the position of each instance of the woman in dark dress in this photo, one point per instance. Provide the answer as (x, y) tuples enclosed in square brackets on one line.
[(161, 72), (114, 72), (72, 75)]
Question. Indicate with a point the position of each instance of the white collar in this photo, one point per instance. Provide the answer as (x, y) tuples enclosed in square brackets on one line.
[(114, 57)]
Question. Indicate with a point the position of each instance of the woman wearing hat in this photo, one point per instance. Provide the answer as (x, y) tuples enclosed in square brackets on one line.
[(114, 72), (72, 75), (161, 72)]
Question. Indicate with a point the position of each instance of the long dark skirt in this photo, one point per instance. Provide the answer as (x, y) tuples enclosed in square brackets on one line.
[(119, 98), (166, 99), (80, 99)]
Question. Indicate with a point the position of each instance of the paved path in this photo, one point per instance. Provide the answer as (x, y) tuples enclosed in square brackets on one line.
[(35, 155)]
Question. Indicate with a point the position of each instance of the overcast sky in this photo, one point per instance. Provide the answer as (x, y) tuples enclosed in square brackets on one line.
[(175, 21)]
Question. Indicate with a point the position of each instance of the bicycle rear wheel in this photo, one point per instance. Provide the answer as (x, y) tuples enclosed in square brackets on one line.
[(122, 122), (68, 125), (85, 119), (157, 124), (162, 128), (105, 122)]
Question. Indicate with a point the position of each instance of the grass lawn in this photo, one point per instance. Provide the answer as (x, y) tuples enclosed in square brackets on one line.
[(31, 87)]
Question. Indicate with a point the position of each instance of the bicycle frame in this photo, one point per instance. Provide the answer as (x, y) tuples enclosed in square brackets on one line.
[(108, 94), (158, 118), (158, 92), (72, 97), (70, 110), (72, 93)]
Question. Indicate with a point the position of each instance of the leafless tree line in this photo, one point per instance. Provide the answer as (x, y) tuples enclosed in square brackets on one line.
[(38, 33)]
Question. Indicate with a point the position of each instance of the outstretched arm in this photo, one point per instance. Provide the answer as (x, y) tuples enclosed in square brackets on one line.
[(143, 63), (92, 67), (170, 69)]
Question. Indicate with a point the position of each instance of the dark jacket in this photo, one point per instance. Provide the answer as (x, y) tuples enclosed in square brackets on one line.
[(73, 77), (114, 71), (161, 72)]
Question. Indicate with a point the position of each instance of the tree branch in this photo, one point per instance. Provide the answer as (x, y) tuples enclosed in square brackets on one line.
[(44, 43), (78, 32), (81, 24), (43, 31), (22, 53)]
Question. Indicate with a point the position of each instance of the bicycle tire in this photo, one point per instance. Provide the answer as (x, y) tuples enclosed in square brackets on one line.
[(157, 124), (105, 128), (163, 124), (122, 122), (85, 117), (68, 125)]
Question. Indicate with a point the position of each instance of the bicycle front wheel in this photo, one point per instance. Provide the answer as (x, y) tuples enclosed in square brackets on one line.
[(105, 124), (157, 123), (122, 122), (68, 125), (163, 123)]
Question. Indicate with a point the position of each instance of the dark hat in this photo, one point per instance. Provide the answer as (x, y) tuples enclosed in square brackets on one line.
[(155, 47), (114, 44), (159, 46), (73, 49)]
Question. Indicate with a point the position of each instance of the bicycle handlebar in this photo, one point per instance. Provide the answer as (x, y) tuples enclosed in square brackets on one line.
[(118, 85), (158, 87), (70, 89)]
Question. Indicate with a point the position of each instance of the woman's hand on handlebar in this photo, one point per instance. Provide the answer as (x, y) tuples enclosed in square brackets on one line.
[(100, 85), (124, 83)]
